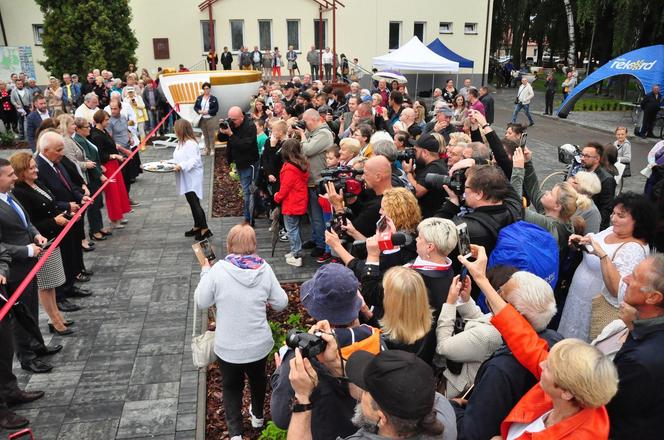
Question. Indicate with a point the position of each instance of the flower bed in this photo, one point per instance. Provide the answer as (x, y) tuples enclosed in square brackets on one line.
[(293, 316), (226, 190)]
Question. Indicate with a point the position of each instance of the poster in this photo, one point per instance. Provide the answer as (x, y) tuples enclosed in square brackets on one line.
[(16, 59)]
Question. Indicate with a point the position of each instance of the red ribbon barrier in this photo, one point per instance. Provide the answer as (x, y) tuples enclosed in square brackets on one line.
[(24, 284)]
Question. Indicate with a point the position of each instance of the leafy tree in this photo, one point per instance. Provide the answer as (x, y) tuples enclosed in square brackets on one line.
[(82, 35)]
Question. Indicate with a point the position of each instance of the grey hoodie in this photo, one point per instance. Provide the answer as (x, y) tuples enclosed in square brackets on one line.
[(241, 297)]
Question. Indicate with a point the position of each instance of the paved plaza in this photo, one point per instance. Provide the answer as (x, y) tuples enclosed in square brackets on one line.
[(127, 371)]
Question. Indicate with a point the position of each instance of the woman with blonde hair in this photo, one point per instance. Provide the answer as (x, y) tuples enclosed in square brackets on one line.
[(588, 184), (555, 208), (189, 177), (407, 318), (242, 286), (53, 95), (576, 380)]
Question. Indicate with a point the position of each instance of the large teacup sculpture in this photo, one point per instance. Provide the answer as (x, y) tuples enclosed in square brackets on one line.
[(230, 87)]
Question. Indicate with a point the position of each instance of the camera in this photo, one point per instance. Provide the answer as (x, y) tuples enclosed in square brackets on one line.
[(406, 155), (223, 124), (456, 183), (344, 178), (299, 124), (310, 345), (569, 153)]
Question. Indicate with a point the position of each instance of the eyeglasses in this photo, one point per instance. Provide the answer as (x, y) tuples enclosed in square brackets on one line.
[(588, 156)]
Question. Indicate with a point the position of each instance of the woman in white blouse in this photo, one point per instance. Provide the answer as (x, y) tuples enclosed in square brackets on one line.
[(189, 176)]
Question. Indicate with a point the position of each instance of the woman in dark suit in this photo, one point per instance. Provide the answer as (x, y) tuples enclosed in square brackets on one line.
[(207, 106), (38, 201)]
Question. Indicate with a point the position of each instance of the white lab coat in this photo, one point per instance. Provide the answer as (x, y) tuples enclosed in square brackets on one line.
[(190, 178)]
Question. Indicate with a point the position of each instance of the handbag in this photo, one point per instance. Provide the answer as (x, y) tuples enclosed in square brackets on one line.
[(202, 346), (196, 121), (602, 312)]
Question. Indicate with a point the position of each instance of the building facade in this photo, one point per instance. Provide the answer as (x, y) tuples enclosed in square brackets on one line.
[(173, 32)]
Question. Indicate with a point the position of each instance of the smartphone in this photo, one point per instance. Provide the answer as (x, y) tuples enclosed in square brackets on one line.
[(204, 251), (463, 240), (381, 224), (464, 274), (582, 247), (522, 141), (467, 393), (48, 244)]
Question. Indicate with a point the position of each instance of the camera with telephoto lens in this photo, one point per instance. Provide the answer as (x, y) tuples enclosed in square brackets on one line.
[(569, 154), (223, 124), (310, 345), (344, 178), (456, 183), (406, 155), (299, 124)]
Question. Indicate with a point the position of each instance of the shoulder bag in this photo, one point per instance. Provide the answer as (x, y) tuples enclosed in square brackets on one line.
[(202, 346)]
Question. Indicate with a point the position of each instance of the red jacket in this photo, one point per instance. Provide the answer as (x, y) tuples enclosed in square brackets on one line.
[(530, 350), (293, 194)]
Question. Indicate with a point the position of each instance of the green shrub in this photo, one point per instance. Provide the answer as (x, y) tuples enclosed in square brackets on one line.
[(273, 432), (7, 138)]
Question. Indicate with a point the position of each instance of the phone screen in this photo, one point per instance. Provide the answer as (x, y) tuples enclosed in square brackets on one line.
[(381, 224), (464, 240), (522, 141), (206, 247)]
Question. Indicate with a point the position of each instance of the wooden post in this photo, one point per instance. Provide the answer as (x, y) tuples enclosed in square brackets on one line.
[(334, 41), (320, 41), (213, 64)]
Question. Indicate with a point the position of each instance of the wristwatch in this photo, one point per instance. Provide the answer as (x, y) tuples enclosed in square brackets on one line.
[(297, 407)]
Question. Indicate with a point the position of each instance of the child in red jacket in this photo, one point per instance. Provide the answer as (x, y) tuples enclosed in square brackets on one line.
[(293, 195)]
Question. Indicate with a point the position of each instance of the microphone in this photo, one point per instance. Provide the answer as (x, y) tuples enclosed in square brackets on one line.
[(387, 241)]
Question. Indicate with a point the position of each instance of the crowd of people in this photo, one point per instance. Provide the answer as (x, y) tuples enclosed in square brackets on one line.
[(455, 298), (79, 136)]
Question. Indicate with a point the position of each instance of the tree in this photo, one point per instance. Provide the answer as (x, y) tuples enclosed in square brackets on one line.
[(571, 52), (81, 36)]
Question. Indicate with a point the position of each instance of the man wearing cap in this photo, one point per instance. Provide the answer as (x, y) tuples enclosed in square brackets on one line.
[(396, 391), (441, 123), (289, 98), (330, 295), (428, 161)]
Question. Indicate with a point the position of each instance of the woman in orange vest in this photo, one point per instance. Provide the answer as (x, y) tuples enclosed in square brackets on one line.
[(575, 379)]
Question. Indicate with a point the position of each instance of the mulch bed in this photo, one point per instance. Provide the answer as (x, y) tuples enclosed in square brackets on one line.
[(226, 191), (17, 145), (216, 421)]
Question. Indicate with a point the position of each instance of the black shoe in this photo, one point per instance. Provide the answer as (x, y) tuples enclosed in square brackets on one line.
[(37, 366), (309, 244), (531, 124), (18, 397), (48, 350), (317, 252), (79, 293), (82, 278), (69, 322), (66, 306), (192, 232), (99, 236), (66, 331), (88, 249), (203, 236), (106, 233), (134, 203), (10, 420), (87, 272)]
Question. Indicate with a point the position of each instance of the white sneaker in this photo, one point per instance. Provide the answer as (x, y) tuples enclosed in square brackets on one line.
[(294, 261), (236, 437), (255, 421), (288, 255)]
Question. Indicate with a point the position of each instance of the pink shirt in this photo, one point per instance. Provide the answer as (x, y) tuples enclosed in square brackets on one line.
[(479, 107)]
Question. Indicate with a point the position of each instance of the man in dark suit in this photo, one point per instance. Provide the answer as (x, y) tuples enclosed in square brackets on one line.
[(591, 157), (226, 59), (650, 105), (487, 100), (68, 197), (23, 242), (34, 120)]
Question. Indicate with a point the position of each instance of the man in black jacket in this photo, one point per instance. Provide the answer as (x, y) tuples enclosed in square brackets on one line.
[(441, 123), (428, 162), (650, 105), (501, 381), (636, 410), (241, 148), (487, 101), (226, 59), (591, 157)]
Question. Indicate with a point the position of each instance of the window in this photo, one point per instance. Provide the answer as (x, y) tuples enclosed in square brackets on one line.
[(470, 28), (38, 31), (237, 34), (317, 37), (445, 27), (265, 34), (293, 31), (395, 35), (205, 32), (418, 30)]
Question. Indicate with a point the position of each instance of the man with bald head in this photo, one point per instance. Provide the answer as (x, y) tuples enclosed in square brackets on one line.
[(241, 148), (407, 123), (366, 211)]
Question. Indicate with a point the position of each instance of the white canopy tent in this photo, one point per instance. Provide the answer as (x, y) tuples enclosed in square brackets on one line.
[(415, 57)]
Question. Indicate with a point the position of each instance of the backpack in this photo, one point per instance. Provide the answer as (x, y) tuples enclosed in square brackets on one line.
[(528, 247)]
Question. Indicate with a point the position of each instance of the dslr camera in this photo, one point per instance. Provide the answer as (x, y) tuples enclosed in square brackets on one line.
[(406, 155), (456, 183), (344, 178), (310, 345), (223, 124), (299, 124)]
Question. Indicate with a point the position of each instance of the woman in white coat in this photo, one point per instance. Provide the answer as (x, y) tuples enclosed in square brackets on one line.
[(189, 176)]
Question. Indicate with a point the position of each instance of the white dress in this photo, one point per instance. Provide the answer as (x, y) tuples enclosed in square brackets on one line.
[(190, 178), (588, 283)]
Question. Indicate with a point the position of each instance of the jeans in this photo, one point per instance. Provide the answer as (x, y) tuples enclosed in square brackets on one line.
[(153, 117), (315, 213), (548, 102), (327, 218), (292, 223), (518, 108), (328, 72), (247, 176), (233, 382), (196, 210), (314, 71)]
